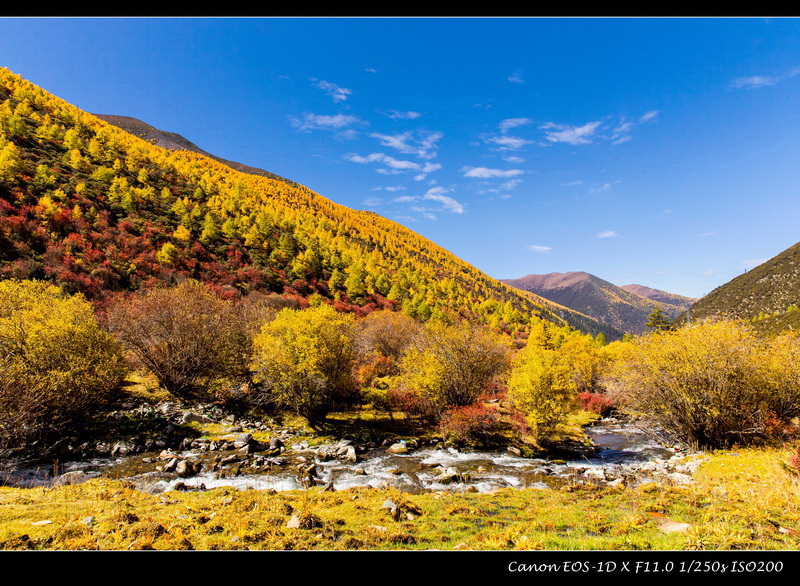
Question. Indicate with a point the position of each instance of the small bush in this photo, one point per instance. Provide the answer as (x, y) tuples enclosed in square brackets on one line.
[(599, 403), (58, 366), (412, 403), (472, 425), (793, 461), (713, 384)]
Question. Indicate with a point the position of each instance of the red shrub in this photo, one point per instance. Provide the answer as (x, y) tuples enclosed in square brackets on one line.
[(373, 367), (596, 402), (401, 399), (473, 425), (794, 461)]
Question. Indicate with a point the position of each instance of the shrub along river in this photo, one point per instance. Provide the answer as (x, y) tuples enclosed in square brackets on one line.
[(624, 452)]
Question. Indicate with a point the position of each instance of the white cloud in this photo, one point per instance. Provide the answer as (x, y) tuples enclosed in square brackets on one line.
[(426, 212), (337, 93), (406, 198), (708, 273), (706, 234), (572, 183), (322, 122), (427, 168), (509, 185), (754, 262), (514, 159), (592, 131), (647, 117), (516, 77), (538, 248), (404, 115), (421, 144), (510, 123), (388, 188), (600, 188), (759, 81), (754, 82), (373, 202), (371, 70), (347, 134), (449, 204), (386, 160), (607, 234), (395, 166), (509, 142), (486, 173), (623, 127), (570, 134)]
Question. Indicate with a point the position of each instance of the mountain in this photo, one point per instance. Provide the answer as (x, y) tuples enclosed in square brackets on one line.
[(175, 142), (662, 297), (101, 211), (623, 308), (768, 295)]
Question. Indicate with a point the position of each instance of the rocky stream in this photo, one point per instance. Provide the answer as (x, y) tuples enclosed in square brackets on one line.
[(622, 452)]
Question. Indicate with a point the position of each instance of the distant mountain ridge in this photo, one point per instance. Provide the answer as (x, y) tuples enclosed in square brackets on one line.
[(660, 296), (175, 142), (624, 308), (768, 295)]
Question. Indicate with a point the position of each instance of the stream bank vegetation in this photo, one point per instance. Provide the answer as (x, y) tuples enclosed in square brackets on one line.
[(716, 385)]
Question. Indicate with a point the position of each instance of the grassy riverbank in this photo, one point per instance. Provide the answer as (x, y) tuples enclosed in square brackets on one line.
[(742, 499)]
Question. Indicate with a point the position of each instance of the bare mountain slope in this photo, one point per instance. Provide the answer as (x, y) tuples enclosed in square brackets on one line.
[(175, 142), (616, 306)]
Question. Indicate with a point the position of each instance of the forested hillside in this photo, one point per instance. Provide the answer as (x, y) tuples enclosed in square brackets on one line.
[(767, 295), (98, 210)]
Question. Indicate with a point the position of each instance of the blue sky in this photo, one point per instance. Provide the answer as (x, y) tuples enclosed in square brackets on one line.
[(661, 151)]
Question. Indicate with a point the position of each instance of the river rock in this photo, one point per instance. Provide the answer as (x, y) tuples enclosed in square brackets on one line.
[(450, 475), (393, 509), (304, 522), (169, 408), (594, 474), (124, 448), (349, 454), (242, 440), (74, 477), (192, 417), (186, 468), (397, 448), (674, 527)]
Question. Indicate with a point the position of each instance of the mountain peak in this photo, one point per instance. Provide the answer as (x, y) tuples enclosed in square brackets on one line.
[(620, 307)]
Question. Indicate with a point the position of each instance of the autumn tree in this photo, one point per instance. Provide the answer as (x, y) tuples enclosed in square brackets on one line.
[(58, 365), (542, 386), (186, 336), (304, 358), (450, 365), (386, 333)]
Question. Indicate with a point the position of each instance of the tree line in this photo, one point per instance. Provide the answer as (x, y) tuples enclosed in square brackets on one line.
[(710, 383)]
